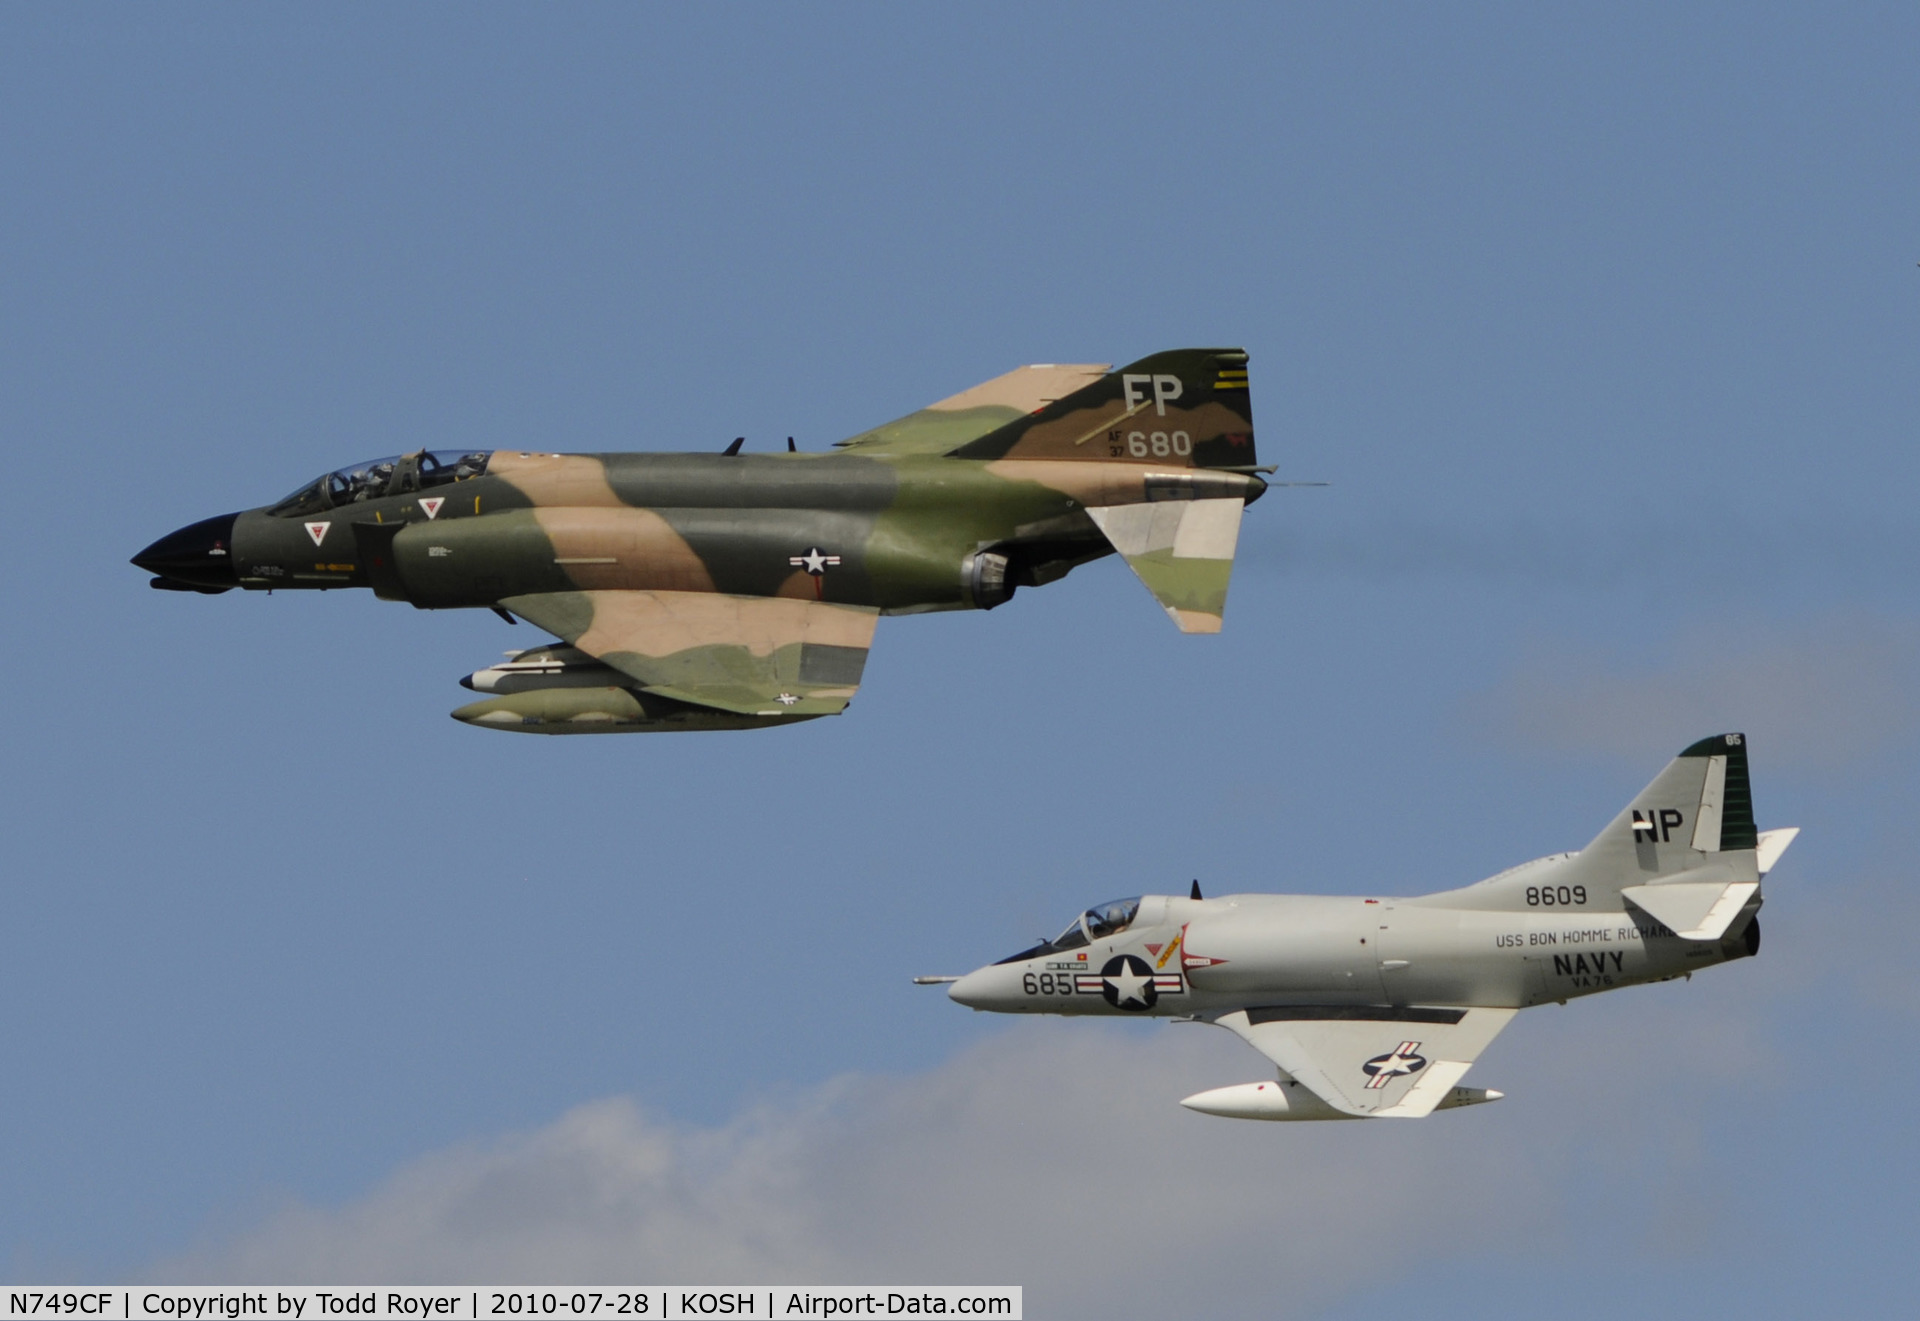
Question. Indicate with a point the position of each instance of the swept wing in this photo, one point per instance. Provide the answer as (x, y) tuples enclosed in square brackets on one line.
[(1381, 1063), (750, 655)]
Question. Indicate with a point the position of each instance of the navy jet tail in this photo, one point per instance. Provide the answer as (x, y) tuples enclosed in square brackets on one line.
[(1685, 852)]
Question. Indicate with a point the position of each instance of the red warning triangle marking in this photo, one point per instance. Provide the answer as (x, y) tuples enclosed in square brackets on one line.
[(1154, 949), (432, 505), (318, 531)]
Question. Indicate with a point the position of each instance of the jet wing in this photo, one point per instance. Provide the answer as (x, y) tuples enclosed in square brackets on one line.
[(971, 414), (1371, 1062), (752, 655)]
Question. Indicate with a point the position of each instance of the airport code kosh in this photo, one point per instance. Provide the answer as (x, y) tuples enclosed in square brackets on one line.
[(468, 1303)]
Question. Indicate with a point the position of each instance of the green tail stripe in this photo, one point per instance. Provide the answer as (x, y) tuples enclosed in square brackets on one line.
[(1737, 828)]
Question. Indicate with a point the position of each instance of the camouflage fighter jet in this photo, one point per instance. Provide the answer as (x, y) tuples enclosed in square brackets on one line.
[(738, 591), (1374, 1007)]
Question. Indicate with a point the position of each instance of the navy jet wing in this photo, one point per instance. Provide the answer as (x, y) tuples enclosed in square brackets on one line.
[(1371, 1062)]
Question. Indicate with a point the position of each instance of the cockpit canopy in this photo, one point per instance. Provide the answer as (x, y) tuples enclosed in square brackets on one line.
[(398, 475), (1097, 923)]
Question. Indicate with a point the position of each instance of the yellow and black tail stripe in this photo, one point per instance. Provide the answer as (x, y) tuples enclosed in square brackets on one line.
[(1231, 378)]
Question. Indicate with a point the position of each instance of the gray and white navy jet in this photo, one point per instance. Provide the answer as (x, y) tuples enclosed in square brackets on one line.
[(1373, 1007)]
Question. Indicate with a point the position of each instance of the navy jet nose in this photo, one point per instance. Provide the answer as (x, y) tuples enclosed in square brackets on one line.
[(197, 558), (995, 987)]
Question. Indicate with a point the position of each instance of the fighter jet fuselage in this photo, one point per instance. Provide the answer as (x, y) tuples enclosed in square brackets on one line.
[(1205, 955), (901, 535)]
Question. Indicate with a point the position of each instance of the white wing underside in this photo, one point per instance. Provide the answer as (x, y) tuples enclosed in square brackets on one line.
[(1399, 1064)]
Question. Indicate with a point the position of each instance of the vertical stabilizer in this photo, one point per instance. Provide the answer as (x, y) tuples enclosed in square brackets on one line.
[(1185, 408), (1700, 804), (1685, 849)]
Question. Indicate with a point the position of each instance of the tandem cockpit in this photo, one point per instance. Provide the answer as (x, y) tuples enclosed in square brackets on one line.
[(1097, 923), (400, 474), (201, 556)]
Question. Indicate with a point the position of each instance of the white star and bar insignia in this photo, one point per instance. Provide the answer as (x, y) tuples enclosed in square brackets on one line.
[(1127, 982), (814, 561), (1397, 1063)]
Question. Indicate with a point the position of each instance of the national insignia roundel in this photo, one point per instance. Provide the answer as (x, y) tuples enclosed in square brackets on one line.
[(1127, 982), (1397, 1063)]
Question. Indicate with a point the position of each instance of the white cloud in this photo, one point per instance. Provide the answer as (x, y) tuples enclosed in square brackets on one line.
[(1051, 1155)]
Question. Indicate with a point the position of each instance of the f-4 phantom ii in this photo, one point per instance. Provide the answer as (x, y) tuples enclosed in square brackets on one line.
[(730, 590), (1375, 1007)]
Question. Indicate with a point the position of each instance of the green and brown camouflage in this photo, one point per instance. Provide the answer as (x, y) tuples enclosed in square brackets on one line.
[(730, 590)]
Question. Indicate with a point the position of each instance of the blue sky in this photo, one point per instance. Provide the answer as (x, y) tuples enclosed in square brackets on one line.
[(1601, 321)]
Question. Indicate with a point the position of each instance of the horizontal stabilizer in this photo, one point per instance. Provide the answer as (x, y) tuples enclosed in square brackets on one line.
[(1182, 550), (1772, 844), (1695, 909)]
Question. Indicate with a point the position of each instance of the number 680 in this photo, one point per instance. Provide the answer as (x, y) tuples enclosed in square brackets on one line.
[(1159, 444)]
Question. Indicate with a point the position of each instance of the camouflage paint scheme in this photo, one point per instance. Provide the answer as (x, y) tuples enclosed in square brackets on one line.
[(725, 591)]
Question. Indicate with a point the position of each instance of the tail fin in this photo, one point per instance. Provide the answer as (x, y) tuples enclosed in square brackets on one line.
[(1185, 408), (1685, 849)]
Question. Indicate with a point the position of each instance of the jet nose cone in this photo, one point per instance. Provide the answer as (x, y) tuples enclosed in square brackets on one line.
[(975, 990), (197, 558)]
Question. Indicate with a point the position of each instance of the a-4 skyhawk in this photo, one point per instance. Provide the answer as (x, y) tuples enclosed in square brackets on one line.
[(733, 591), (1373, 1007)]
